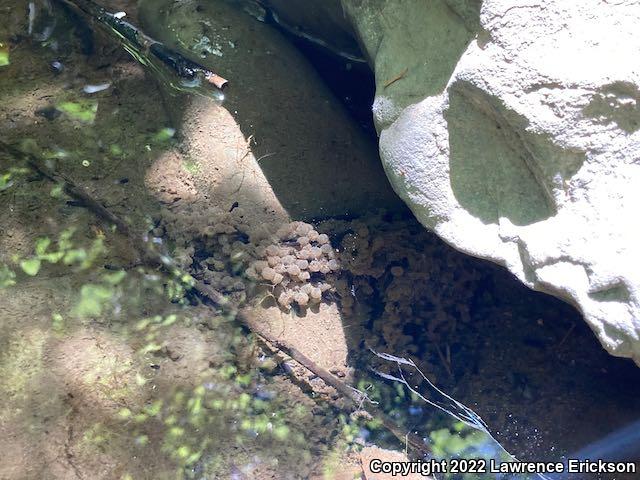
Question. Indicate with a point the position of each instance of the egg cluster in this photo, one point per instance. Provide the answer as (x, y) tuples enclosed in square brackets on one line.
[(411, 287), (298, 263), (211, 245)]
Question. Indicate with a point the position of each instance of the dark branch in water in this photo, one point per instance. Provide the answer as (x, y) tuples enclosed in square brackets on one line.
[(39, 166), (152, 257), (145, 49)]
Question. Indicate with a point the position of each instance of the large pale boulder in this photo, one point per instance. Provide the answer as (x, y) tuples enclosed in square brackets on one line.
[(511, 130)]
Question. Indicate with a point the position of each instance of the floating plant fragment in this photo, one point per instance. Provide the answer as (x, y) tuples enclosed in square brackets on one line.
[(7, 276), (4, 55), (84, 110), (164, 135)]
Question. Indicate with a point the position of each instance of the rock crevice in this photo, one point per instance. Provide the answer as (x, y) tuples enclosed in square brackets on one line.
[(512, 131)]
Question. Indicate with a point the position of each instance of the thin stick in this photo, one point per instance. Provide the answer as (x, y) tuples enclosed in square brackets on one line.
[(396, 78), (212, 297), (69, 187), (444, 360), (564, 339)]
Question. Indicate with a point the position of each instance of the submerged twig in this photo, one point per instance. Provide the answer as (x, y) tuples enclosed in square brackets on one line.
[(145, 49), (448, 404), (71, 189), (444, 402), (446, 361), (396, 78), (152, 257)]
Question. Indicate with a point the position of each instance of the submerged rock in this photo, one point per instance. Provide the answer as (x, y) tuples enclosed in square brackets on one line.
[(280, 147), (512, 132), (280, 142)]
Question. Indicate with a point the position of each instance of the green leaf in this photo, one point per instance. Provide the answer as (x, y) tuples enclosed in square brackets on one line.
[(92, 300), (164, 135), (57, 191), (193, 458), (281, 432), (140, 380), (183, 452), (58, 322), (114, 278), (97, 249), (124, 413), (154, 409), (115, 150), (191, 166), (7, 277), (84, 111), (150, 347), (6, 181), (31, 266), (73, 256), (4, 56), (53, 257), (64, 241), (41, 245)]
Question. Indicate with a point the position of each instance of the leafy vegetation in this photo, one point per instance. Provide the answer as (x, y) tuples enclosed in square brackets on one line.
[(4, 55), (62, 251), (83, 110), (7, 276), (7, 178)]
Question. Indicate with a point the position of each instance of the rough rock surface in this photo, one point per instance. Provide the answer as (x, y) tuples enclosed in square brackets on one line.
[(511, 130)]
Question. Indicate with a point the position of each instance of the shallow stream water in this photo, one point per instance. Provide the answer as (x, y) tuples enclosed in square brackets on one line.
[(111, 368)]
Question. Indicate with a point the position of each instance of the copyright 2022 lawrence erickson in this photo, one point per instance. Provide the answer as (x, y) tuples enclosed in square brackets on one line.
[(480, 466)]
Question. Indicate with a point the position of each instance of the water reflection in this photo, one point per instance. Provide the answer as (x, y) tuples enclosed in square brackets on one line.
[(120, 365), (455, 435)]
